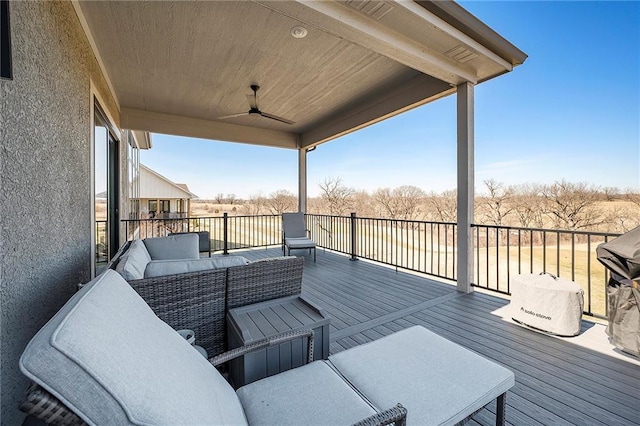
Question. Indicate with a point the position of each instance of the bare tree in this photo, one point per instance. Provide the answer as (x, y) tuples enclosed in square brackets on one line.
[(315, 205), (219, 198), (527, 205), (633, 196), (282, 201), (622, 219), (400, 203), (384, 202), (255, 204), (231, 198), (572, 205), (611, 192), (497, 205), (632, 213), (337, 197), (362, 204), (443, 206)]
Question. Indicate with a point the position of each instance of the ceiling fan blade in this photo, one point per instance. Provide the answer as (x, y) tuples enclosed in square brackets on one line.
[(275, 117), (240, 114), (253, 100)]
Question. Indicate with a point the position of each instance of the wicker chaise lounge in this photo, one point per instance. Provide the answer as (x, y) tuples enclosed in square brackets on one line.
[(108, 358)]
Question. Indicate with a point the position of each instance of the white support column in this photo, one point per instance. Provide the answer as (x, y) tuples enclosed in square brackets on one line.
[(466, 191), (302, 180)]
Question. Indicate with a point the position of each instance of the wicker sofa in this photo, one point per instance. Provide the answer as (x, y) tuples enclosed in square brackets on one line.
[(106, 358), (200, 295)]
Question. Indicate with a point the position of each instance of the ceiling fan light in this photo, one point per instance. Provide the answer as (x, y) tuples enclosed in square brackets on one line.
[(298, 32)]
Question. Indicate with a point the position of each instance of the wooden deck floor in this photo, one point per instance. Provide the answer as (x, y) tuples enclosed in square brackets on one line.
[(558, 381)]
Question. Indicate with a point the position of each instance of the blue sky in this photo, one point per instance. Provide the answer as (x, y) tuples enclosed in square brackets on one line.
[(572, 111)]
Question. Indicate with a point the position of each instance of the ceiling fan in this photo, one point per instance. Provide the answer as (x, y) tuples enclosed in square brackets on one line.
[(253, 108)]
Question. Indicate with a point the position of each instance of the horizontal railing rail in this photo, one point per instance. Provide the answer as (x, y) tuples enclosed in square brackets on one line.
[(500, 252)]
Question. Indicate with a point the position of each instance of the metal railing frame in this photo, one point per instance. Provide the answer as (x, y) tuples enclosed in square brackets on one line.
[(226, 232), (414, 245)]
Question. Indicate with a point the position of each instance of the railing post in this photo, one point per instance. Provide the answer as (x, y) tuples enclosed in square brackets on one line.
[(354, 248), (225, 236)]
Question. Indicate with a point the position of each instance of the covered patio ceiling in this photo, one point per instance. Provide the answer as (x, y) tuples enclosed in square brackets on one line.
[(175, 67)]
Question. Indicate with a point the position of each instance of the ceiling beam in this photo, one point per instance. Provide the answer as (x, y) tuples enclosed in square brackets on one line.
[(353, 26), (155, 122), (417, 91)]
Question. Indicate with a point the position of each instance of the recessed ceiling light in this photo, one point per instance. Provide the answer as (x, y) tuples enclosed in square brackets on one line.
[(298, 32)]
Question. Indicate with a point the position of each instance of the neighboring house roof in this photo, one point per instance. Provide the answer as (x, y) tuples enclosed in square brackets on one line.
[(154, 185)]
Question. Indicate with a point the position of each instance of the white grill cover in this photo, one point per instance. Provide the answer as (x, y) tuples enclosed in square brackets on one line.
[(547, 303)]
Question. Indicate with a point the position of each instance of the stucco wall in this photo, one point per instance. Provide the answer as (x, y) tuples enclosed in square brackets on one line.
[(45, 176)]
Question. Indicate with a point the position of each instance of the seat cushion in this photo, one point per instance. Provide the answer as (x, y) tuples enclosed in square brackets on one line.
[(436, 380), (112, 361), (309, 395), (203, 238), (181, 246), (299, 243), (133, 262), (158, 268)]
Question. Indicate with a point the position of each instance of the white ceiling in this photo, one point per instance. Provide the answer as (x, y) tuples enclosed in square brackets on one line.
[(175, 67)]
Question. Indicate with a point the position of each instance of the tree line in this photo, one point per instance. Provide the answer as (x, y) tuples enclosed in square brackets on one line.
[(559, 205)]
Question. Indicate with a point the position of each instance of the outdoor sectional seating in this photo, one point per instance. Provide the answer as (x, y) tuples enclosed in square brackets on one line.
[(106, 358), (196, 294)]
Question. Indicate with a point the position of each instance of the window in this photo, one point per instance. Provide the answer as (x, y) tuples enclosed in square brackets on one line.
[(180, 207), (165, 206), (6, 70), (153, 208)]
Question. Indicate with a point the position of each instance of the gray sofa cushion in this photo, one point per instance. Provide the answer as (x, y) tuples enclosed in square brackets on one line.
[(133, 262), (309, 395), (437, 381), (108, 357), (182, 246), (158, 268)]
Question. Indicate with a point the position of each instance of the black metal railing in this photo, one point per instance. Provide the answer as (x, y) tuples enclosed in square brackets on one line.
[(500, 252), (427, 247), (225, 232)]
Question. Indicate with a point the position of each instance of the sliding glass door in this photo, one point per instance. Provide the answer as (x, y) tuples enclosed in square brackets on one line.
[(106, 184)]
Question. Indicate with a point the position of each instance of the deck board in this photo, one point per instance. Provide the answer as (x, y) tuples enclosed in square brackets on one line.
[(558, 381)]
